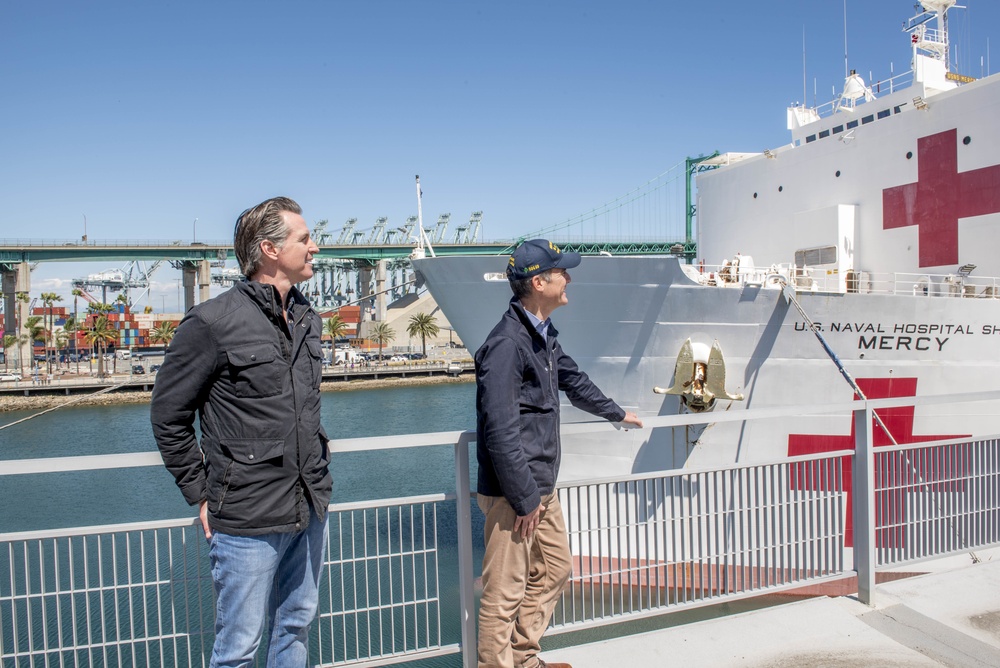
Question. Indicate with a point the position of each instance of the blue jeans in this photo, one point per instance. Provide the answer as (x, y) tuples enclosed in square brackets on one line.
[(277, 574)]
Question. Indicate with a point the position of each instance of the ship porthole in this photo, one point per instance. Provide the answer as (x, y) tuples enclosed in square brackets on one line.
[(837, 174), (755, 195), (780, 188), (909, 154), (967, 140)]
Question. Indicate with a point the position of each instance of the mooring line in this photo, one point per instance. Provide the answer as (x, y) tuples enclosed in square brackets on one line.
[(67, 403)]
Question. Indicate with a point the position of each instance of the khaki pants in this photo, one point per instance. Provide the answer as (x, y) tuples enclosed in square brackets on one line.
[(522, 580)]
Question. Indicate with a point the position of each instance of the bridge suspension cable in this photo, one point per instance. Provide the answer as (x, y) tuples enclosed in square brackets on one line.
[(652, 210)]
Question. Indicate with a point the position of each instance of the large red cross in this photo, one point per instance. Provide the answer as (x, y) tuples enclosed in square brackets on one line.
[(889, 506), (940, 197)]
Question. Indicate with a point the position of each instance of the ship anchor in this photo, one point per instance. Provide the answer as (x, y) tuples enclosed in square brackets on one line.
[(705, 374)]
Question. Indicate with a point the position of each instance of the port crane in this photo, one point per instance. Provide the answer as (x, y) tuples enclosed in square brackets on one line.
[(132, 275)]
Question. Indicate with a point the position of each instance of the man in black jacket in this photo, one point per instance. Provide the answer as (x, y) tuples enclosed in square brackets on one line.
[(519, 371), (248, 363)]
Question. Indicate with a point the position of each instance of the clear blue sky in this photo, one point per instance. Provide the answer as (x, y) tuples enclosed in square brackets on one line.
[(143, 116)]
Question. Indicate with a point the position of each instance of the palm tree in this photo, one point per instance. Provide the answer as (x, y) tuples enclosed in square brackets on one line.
[(69, 329), (423, 325), (100, 334), (335, 327), (61, 339), (36, 332), (163, 333), (49, 299), (9, 341), (381, 334), (23, 338), (77, 293), (102, 309)]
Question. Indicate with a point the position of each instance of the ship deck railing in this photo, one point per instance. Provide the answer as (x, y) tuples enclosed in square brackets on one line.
[(644, 545), (878, 87), (824, 279)]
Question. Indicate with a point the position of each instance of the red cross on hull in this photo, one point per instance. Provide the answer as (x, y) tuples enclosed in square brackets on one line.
[(899, 421), (941, 196)]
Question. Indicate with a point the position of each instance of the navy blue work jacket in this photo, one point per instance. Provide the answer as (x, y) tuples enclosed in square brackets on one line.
[(518, 378)]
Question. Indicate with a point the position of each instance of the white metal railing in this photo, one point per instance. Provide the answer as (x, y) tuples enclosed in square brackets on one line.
[(141, 594), (818, 279), (933, 499), (879, 88), (680, 539)]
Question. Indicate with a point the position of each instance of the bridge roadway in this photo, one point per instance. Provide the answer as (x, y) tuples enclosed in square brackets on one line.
[(15, 251)]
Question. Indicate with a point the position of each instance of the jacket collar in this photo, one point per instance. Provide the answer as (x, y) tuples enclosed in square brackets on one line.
[(517, 310), (267, 298)]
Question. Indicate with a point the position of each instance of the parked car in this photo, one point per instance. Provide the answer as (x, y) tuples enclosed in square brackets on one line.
[(10, 377), (154, 368), (137, 369)]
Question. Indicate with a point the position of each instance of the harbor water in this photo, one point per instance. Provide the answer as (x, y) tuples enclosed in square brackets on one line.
[(56, 500)]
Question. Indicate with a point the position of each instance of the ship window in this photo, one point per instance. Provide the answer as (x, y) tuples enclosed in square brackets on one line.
[(811, 257), (883, 114), (897, 109), (838, 128), (810, 139), (867, 119), (824, 133), (852, 124)]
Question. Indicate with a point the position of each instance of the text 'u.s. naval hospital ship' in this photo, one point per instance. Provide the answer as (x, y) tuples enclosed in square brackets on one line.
[(878, 225)]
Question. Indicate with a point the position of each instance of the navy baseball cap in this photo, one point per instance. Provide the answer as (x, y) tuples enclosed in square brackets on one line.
[(538, 255)]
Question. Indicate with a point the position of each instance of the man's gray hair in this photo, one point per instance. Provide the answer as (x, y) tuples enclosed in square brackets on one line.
[(522, 288), (257, 224)]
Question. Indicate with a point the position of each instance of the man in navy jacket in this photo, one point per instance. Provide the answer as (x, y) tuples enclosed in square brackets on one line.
[(519, 371)]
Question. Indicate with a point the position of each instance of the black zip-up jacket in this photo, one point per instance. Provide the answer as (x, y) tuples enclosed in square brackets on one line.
[(253, 380), (518, 378)]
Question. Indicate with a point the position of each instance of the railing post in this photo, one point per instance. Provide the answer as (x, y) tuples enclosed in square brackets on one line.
[(864, 504), (466, 593)]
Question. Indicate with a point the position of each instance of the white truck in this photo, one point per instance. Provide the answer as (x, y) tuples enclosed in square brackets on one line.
[(345, 356)]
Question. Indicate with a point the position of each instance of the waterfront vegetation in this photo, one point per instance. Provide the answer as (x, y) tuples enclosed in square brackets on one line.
[(163, 333), (48, 300), (382, 334), (335, 327), (100, 334), (423, 325)]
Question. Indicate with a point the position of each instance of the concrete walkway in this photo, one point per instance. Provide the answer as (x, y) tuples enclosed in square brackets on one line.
[(947, 618)]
